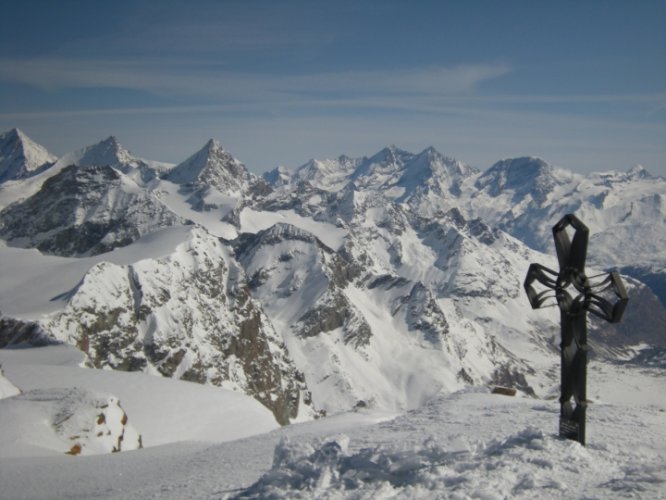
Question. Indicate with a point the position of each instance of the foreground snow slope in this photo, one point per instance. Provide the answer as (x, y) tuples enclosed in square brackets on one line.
[(469, 444), (162, 410)]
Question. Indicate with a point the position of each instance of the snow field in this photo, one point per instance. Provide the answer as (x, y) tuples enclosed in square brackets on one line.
[(477, 445), (253, 221), (33, 284), (469, 444), (162, 410)]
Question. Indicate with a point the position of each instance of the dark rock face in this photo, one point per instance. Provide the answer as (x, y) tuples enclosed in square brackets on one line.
[(16, 332), (83, 211), (424, 315), (332, 311)]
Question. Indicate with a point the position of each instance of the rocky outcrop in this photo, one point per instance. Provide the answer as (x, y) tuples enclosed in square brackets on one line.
[(85, 423), (189, 316)]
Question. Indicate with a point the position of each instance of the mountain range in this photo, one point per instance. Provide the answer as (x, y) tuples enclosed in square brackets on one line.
[(344, 283)]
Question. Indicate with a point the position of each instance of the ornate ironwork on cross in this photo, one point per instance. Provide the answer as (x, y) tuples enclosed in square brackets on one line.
[(575, 294)]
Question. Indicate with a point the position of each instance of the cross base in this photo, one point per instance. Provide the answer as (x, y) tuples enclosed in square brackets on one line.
[(572, 429)]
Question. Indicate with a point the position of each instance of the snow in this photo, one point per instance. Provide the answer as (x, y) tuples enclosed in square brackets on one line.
[(503, 448), (31, 283), (7, 389), (168, 193), (468, 444), (253, 221), (162, 410)]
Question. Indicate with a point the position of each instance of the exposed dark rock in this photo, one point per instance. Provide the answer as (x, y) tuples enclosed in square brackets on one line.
[(15, 332)]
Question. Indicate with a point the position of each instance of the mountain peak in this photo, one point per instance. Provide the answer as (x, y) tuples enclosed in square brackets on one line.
[(16, 133), (108, 151), (210, 165), (212, 145), (21, 157), (510, 172), (391, 153), (111, 142), (639, 172), (522, 176), (112, 145)]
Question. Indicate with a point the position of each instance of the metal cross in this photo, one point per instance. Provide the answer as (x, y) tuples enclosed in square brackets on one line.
[(575, 295)]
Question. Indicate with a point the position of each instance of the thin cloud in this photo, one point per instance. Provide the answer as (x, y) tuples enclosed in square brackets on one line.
[(426, 89), (192, 78)]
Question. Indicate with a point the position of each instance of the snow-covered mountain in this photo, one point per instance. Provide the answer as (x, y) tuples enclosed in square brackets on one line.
[(214, 180), (187, 315), (624, 211), (111, 153), (84, 210), (21, 157), (371, 282)]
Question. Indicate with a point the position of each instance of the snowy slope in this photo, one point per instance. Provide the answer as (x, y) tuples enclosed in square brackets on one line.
[(468, 444), (7, 389), (161, 410), (35, 284)]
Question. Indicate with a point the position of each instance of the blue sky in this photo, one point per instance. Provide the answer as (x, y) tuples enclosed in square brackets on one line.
[(581, 84)]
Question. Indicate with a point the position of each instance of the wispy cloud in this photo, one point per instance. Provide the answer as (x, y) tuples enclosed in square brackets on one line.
[(190, 78), (427, 89)]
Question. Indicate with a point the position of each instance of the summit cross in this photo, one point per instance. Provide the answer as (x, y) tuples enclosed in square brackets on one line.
[(575, 294)]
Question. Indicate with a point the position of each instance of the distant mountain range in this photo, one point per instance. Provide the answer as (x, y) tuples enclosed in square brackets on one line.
[(348, 282)]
